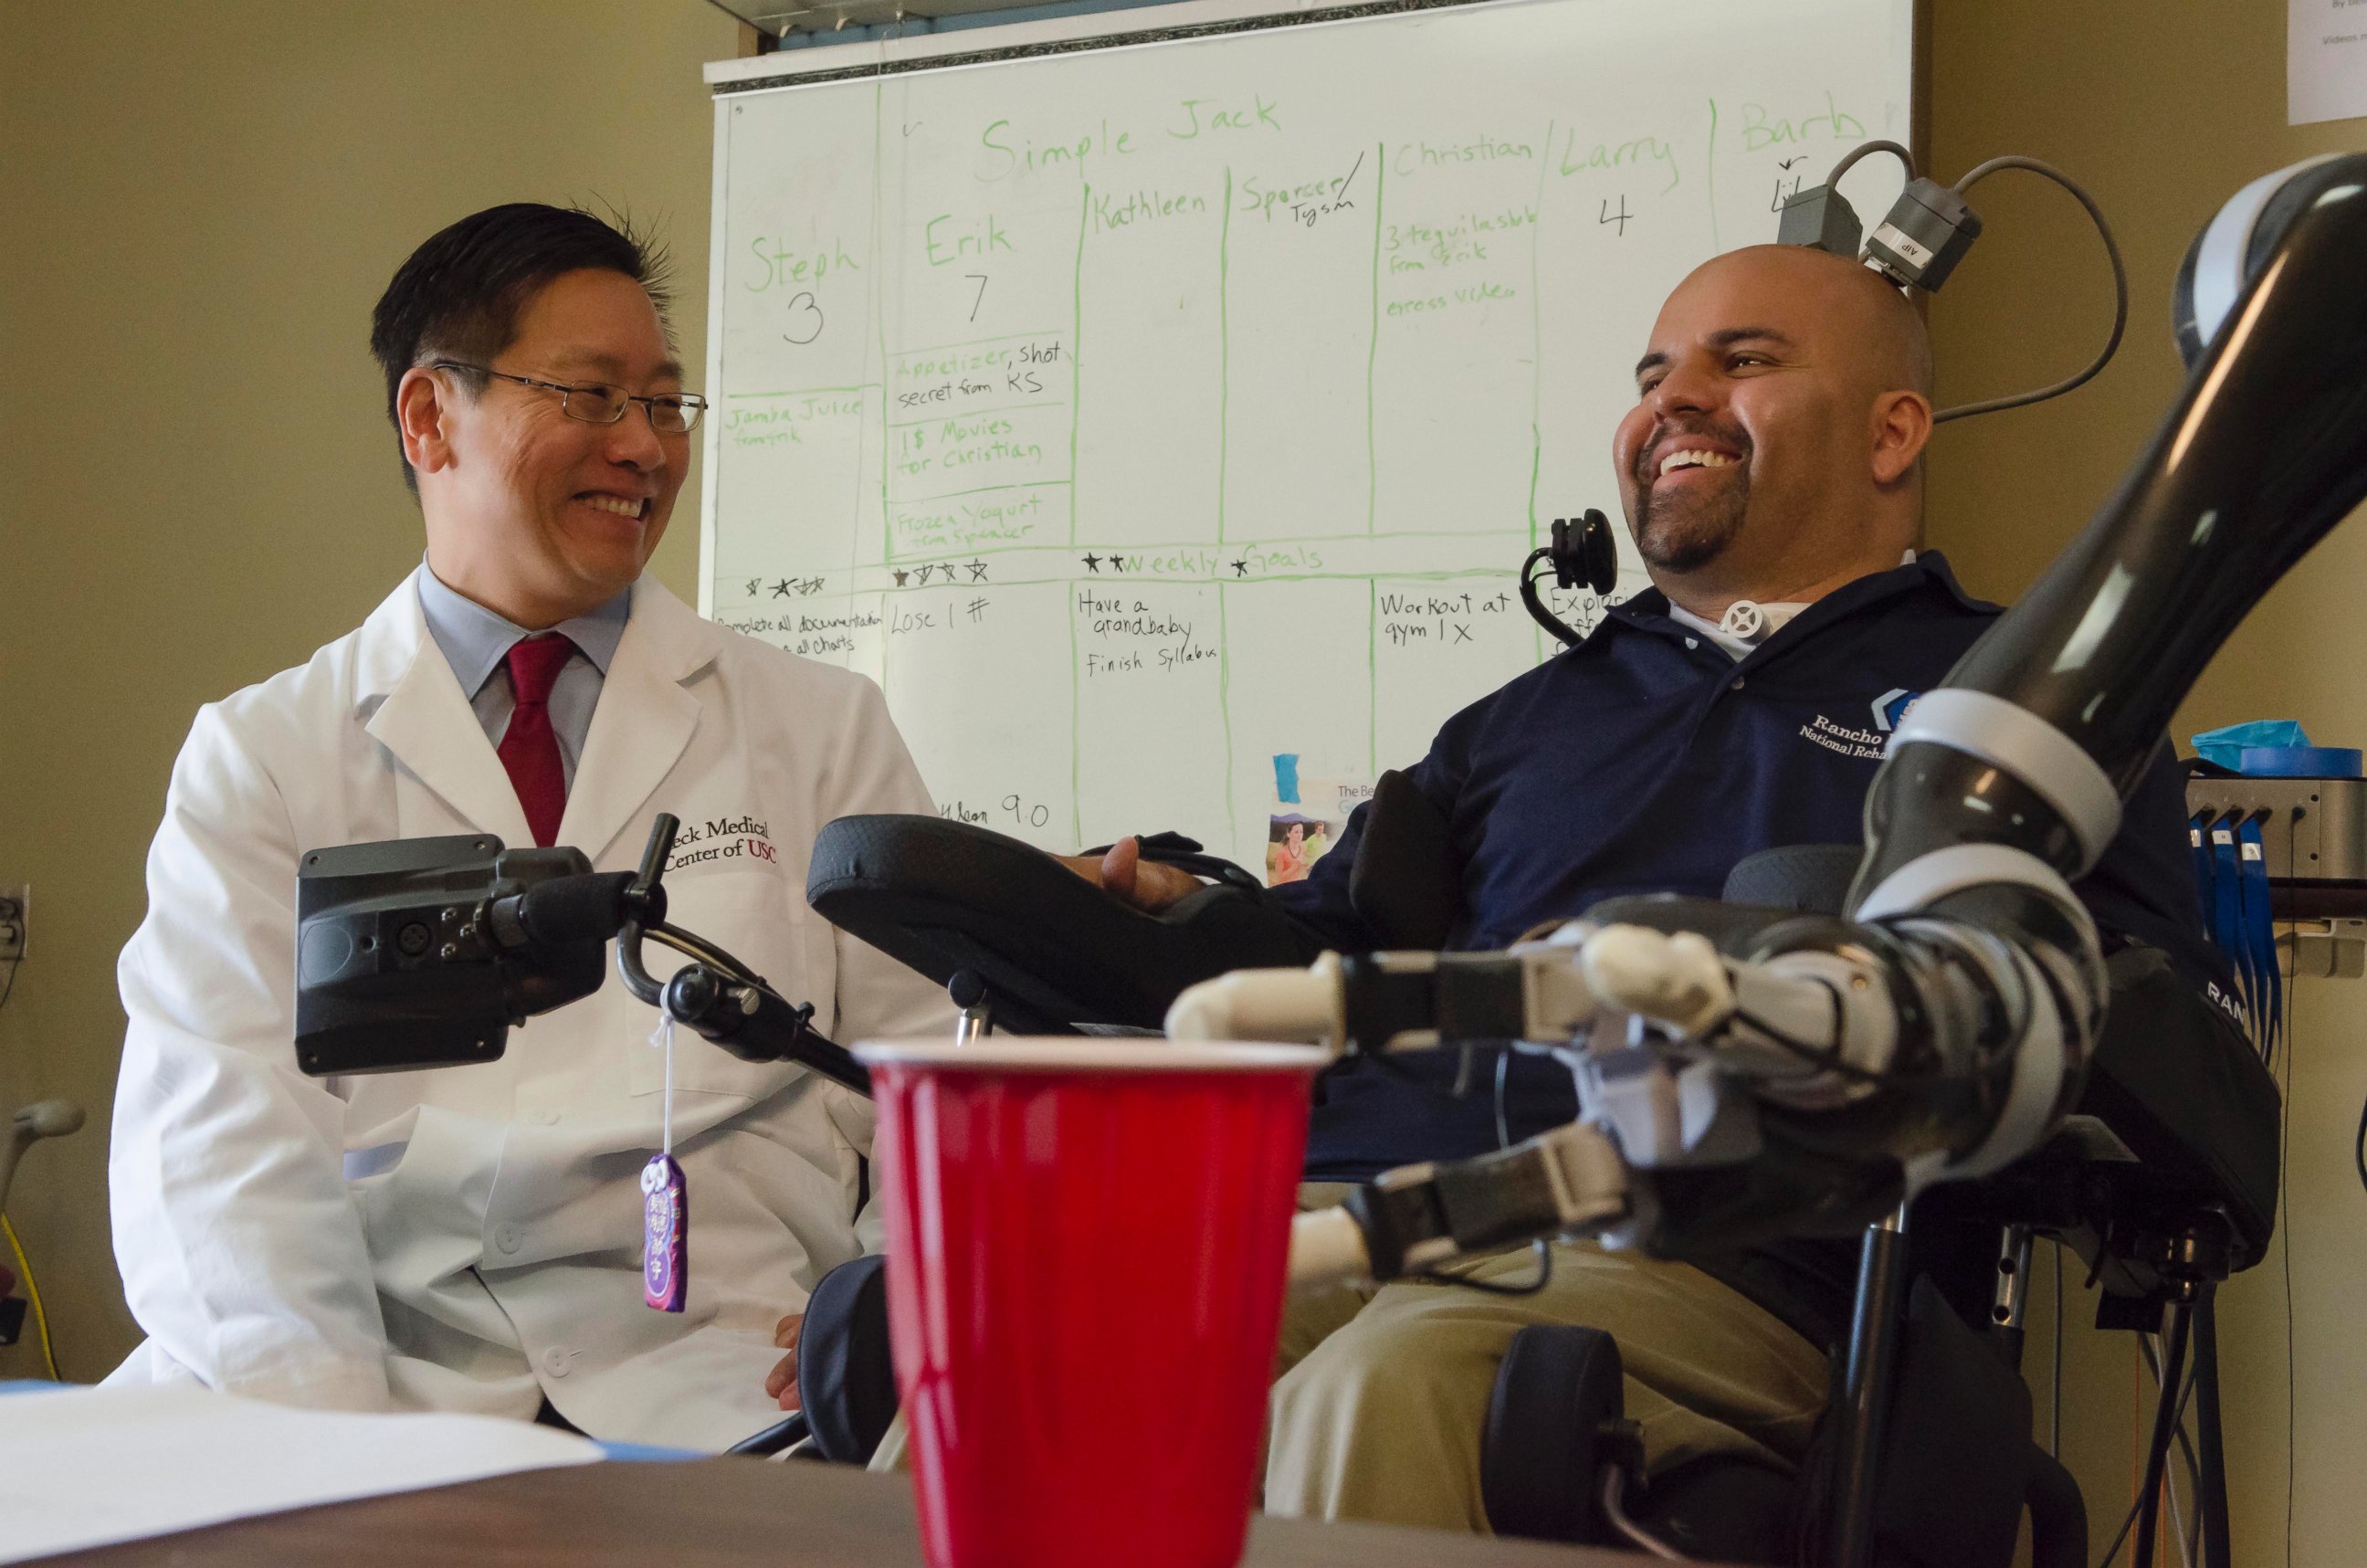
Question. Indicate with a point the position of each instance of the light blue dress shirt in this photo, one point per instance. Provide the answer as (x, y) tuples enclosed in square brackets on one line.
[(476, 642)]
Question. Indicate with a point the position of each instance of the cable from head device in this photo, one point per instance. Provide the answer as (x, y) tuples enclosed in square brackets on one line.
[(1926, 233), (1820, 1072)]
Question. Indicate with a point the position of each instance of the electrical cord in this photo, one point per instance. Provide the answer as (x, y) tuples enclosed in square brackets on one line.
[(32, 1294), (2285, 1246), (2186, 1529), (703, 951), (2284, 1190), (1559, 629), (2359, 1145), (1614, 1481), (2184, 1532), (2146, 1496), (1503, 1122), (2169, 1414), (1543, 1250), (2274, 1028), (2120, 290), (2149, 1346), (1849, 158), (2054, 1367), (1466, 1057), (1828, 1058)]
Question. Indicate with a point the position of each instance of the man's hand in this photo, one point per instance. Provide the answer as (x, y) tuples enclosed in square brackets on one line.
[(781, 1382), (1125, 874)]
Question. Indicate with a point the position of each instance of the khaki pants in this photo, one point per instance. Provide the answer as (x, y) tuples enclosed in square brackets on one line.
[(1380, 1396)]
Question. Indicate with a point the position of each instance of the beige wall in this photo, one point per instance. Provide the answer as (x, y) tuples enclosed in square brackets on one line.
[(2162, 109), (197, 484)]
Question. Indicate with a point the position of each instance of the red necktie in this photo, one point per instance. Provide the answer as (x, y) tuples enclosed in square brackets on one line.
[(529, 747)]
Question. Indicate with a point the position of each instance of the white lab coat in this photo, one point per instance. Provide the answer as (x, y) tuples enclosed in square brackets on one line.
[(468, 1238)]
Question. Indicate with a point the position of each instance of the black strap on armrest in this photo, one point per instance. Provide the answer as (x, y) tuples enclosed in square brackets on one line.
[(1186, 854)]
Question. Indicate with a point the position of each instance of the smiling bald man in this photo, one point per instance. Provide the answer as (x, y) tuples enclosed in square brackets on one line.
[(1773, 373), (1772, 475)]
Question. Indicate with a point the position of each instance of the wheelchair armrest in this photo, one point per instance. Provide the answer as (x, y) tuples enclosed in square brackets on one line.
[(1054, 950)]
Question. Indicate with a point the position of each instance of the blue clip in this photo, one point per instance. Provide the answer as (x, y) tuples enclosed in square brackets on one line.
[(2227, 912), (2259, 927), (2198, 826)]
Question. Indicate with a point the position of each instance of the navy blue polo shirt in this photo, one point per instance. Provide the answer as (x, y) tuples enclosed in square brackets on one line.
[(1647, 759)]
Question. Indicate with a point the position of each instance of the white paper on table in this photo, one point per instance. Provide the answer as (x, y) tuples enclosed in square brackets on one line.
[(91, 1467), (2325, 60)]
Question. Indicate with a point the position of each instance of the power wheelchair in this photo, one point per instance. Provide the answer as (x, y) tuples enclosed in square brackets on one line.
[(2162, 1183)]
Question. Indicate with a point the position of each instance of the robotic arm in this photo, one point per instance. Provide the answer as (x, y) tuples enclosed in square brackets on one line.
[(1811, 1074)]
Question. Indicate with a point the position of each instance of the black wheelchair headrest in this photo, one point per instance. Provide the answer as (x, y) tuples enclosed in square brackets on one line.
[(1054, 950)]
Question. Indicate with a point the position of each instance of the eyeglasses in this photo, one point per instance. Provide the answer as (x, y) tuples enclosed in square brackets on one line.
[(671, 414)]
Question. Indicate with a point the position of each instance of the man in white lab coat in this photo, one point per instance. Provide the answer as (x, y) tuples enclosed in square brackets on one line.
[(469, 1238)]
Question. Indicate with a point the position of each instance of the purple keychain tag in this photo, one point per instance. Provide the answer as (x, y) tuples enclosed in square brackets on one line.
[(665, 1205), (665, 1235)]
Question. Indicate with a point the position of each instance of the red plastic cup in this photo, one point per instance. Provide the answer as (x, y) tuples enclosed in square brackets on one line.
[(1086, 1246)]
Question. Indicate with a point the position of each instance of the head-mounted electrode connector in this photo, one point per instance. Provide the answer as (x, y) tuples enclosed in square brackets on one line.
[(1925, 233)]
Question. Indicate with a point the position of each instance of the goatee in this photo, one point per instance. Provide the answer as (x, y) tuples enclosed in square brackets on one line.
[(1684, 533)]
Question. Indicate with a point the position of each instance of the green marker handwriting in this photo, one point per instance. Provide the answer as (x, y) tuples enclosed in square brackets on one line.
[(1007, 152), (1196, 117), (971, 237), (1761, 131), (1414, 157), (1304, 201), (779, 266), (1122, 210), (1642, 152)]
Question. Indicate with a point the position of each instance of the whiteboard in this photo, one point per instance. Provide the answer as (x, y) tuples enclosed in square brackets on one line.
[(1139, 415)]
